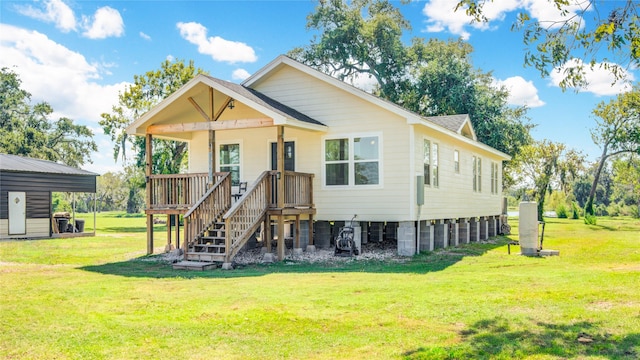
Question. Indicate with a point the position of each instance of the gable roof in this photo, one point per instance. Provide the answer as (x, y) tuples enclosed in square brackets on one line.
[(281, 114), (460, 125), (265, 101), (16, 163)]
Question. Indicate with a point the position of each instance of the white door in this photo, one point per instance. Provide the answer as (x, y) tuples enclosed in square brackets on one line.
[(17, 213)]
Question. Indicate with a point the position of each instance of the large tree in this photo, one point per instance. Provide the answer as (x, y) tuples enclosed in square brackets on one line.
[(582, 31), (617, 132), (364, 38), (146, 91), (540, 165), (28, 130), (626, 175)]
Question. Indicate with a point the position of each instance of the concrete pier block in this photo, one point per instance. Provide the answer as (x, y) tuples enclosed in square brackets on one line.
[(463, 231), (365, 232), (426, 236), (455, 233), (322, 238), (406, 238), (474, 230), (441, 234), (391, 231), (376, 232)]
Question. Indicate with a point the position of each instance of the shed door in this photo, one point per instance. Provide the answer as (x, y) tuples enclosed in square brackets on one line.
[(17, 213)]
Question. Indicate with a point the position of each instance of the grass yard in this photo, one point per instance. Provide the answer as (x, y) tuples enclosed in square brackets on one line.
[(99, 297)]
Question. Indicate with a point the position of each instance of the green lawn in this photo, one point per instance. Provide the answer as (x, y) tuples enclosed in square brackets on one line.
[(100, 297)]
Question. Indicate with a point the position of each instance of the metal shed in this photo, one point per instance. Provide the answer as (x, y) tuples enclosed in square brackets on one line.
[(26, 185)]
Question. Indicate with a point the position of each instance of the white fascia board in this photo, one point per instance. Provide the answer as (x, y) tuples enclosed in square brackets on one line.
[(133, 127)]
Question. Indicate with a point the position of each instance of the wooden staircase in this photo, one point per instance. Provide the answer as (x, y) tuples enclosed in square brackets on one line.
[(210, 246), (215, 230)]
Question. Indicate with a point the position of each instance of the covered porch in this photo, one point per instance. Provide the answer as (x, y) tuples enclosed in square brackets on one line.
[(219, 217)]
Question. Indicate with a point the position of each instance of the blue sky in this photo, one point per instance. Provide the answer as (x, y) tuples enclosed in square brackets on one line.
[(77, 54)]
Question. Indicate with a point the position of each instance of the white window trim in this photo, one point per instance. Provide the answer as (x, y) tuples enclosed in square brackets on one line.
[(435, 164), (474, 159), (351, 181), (429, 178), (230, 142), (495, 181), (456, 171)]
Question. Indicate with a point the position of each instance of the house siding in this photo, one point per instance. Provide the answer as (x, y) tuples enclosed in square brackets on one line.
[(35, 228), (455, 197), (347, 115)]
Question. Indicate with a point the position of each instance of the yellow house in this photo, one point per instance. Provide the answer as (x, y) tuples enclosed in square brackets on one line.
[(315, 151)]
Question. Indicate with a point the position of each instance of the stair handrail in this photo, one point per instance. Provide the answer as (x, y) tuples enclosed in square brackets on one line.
[(244, 217), (209, 208)]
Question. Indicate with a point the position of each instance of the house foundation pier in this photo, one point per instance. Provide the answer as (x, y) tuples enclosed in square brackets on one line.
[(407, 238), (323, 234), (441, 234), (474, 230), (376, 231), (463, 231), (455, 232)]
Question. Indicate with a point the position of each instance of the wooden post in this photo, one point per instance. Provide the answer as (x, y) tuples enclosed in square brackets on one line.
[(311, 229), (281, 192), (148, 172), (212, 142), (297, 239), (177, 231), (168, 247), (267, 232)]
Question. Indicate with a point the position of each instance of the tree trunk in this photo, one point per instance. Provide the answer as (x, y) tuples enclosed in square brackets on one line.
[(588, 209)]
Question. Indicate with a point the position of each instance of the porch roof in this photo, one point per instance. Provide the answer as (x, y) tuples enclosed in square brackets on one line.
[(202, 104)]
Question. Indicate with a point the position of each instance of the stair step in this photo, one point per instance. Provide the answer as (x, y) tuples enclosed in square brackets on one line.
[(202, 256), (194, 265), (214, 239)]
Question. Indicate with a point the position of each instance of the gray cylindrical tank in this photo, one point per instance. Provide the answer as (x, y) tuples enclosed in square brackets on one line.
[(528, 227)]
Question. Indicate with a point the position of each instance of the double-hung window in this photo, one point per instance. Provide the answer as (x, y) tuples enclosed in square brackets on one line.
[(456, 161), (434, 166), (494, 178), (427, 162), (229, 161), (430, 161), (352, 161), (477, 174)]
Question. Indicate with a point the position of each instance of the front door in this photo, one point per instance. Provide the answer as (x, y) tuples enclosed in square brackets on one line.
[(289, 156), (17, 213)]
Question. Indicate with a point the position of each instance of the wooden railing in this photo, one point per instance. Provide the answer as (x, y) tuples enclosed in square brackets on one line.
[(247, 214), (210, 207), (298, 190), (178, 191)]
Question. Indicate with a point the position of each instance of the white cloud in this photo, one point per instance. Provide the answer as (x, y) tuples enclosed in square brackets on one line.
[(106, 22), (521, 92), (57, 75), (600, 81), (55, 11), (442, 17), (145, 36), (218, 48), (240, 74)]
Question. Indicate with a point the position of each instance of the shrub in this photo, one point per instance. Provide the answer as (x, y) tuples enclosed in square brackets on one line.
[(590, 219), (561, 210), (575, 211)]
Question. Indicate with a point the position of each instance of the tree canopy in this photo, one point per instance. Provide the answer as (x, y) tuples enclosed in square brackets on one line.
[(364, 38), (552, 43), (28, 130), (146, 91), (617, 131)]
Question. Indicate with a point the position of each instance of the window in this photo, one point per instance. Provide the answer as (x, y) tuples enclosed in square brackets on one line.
[(352, 161), (434, 166), (477, 174), (494, 178), (230, 161), (365, 152), (456, 161), (427, 162)]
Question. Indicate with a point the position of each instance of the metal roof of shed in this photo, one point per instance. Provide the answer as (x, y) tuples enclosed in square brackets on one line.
[(15, 163)]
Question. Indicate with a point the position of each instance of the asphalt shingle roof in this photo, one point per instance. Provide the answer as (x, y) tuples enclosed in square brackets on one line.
[(17, 163)]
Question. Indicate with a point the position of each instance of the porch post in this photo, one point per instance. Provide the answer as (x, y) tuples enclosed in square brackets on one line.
[(148, 171), (212, 141), (281, 190)]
